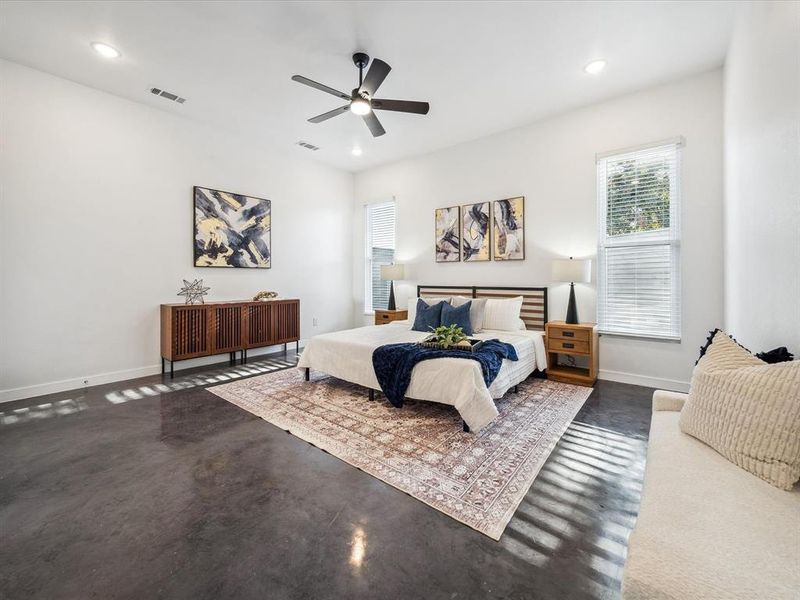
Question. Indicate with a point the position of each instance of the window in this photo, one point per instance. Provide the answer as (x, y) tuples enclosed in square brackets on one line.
[(638, 202), (379, 250)]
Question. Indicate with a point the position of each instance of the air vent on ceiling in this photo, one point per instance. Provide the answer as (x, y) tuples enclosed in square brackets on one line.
[(311, 147), (167, 95)]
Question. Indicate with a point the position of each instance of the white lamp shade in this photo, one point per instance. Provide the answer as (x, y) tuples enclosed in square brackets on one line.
[(572, 271), (392, 272)]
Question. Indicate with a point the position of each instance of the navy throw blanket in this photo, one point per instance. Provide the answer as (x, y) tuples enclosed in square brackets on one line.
[(393, 364)]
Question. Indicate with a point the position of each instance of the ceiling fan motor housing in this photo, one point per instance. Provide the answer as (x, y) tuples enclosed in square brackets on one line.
[(361, 60)]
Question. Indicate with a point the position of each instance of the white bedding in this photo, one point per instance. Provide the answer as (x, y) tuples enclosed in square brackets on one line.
[(458, 382)]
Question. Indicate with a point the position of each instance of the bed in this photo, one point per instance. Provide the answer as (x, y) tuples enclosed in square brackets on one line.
[(457, 382)]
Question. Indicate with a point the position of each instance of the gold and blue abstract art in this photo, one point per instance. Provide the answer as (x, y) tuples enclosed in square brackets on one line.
[(231, 230)]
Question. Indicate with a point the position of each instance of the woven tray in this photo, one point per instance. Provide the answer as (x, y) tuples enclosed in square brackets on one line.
[(468, 345)]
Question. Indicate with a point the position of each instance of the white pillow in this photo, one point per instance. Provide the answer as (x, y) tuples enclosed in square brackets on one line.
[(747, 410), (503, 314), (477, 310), (429, 300)]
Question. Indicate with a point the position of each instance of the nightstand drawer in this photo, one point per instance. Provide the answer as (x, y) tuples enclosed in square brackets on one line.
[(566, 333), (382, 317), (560, 345)]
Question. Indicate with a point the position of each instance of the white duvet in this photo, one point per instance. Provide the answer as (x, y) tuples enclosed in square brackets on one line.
[(458, 382)]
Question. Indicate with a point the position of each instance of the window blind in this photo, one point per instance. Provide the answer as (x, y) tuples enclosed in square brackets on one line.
[(638, 202), (379, 244)]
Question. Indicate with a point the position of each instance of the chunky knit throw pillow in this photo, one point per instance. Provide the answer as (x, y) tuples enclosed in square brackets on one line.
[(747, 410)]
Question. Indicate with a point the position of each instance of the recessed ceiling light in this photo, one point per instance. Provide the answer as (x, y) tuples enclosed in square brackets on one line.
[(594, 67), (105, 50), (356, 151)]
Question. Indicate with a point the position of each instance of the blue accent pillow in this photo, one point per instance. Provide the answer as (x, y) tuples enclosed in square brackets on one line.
[(457, 315), (427, 316)]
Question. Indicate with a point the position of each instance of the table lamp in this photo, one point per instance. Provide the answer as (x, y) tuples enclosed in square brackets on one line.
[(572, 271), (392, 273)]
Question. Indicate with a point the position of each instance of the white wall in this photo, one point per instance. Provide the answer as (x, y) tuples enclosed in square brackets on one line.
[(552, 163), (96, 230), (762, 177)]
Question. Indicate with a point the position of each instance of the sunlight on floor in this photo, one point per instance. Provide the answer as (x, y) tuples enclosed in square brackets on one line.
[(592, 480), (42, 411), (72, 406)]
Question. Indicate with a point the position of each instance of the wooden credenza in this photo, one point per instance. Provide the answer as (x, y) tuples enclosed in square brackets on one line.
[(194, 330)]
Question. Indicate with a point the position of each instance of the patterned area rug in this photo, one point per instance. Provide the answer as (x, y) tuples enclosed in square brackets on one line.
[(421, 449)]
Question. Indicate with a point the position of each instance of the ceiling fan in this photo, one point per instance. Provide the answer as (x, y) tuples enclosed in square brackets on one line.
[(362, 100)]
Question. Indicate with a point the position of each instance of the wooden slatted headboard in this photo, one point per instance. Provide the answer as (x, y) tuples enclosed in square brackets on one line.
[(534, 299)]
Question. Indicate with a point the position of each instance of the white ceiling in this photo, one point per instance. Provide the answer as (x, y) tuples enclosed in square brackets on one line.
[(484, 66)]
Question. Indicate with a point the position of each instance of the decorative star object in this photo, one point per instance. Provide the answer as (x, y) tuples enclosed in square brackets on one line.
[(194, 291)]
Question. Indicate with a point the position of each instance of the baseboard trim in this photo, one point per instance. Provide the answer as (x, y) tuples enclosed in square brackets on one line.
[(660, 383), (53, 387), (76, 383)]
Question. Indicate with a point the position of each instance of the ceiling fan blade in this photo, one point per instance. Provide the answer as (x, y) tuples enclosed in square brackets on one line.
[(374, 125), (320, 86), (407, 106), (378, 71), (329, 114)]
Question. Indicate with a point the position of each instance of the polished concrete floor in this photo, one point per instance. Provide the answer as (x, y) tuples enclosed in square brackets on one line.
[(156, 488)]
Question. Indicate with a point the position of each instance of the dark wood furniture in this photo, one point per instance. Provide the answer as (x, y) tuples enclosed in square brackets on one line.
[(383, 316), (194, 330), (573, 340)]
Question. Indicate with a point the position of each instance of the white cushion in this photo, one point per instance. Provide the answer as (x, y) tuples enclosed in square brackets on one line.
[(429, 300), (706, 528), (502, 314), (747, 410), (477, 310)]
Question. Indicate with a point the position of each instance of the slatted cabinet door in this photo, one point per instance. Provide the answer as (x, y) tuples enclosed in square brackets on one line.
[(259, 325), (226, 327), (286, 320), (190, 332)]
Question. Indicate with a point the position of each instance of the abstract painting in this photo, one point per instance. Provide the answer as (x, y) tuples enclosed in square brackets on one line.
[(509, 229), (475, 231), (231, 230), (448, 234)]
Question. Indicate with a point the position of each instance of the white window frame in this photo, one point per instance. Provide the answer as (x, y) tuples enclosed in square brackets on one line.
[(670, 237), (368, 300)]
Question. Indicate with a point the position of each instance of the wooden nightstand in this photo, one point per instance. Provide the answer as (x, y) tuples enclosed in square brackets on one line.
[(576, 340), (387, 316)]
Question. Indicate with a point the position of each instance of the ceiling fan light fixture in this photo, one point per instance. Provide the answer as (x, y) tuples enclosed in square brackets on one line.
[(360, 106)]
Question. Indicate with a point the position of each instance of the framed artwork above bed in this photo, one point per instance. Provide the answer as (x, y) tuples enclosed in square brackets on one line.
[(448, 234), (508, 229), (231, 230), (475, 232)]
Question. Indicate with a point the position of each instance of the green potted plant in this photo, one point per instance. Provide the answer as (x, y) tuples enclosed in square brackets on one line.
[(447, 336)]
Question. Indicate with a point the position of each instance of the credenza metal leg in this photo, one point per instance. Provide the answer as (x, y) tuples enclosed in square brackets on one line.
[(163, 366), (308, 375), (285, 347), (371, 395), (297, 347), (171, 369)]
